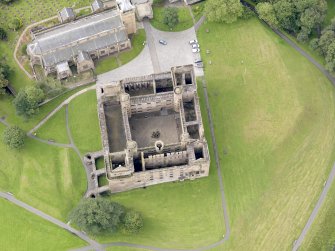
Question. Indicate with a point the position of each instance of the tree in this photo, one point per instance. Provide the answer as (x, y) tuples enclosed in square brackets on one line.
[(286, 15), (14, 137), (6, 1), (3, 34), (330, 57), (132, 221), (170, 17), (97, 215), (325, 40), (27, 100), (15, 24), (4, 75), (223, 11), (314, 44), (267, 13)]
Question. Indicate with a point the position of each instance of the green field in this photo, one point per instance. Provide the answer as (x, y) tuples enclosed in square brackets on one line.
[(7, 110), (274, 117), (84, 124), (30, 232), (321, 235), (330, 12), (48, 178), (185, 19), (176, 215), (55, 128)]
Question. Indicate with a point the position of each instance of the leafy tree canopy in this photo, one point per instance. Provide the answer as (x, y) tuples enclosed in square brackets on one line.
[(223, 11), (267, 13), (14, 137), (170, 17), (97, 215), (4, 75), (3, 34), (27, 100), (133, 221)]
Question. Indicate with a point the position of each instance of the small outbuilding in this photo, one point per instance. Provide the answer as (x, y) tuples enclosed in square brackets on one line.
[(84, 62), (66, 15), (63, 70)]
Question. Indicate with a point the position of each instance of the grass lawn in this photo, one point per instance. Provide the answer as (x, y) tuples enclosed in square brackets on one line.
[(137, 46), (84, 123), (111, 63), (198, 10), (185, 19), (7, 109), (330, 12), (176, 215), (321, 235), (49, 178), (22, 230), (55, 128), (125, 249), (102, 180), (106, 64), (99, 163), (274, 117)]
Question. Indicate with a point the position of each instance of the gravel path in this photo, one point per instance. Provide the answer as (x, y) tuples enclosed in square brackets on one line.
[(95, 245)]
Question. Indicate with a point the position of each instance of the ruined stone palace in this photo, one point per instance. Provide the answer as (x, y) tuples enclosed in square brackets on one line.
[(152, 130)]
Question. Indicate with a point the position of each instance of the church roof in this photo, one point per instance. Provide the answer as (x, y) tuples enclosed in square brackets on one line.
[(97, 5), (66, 14), (63, 42)]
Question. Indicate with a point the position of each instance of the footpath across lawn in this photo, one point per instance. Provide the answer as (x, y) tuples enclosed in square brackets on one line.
[(274, 119), (22, 230)]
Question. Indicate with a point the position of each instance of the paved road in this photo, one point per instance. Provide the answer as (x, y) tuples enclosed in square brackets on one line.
[(94, 245), (90, 184), (156, 57), (316, 209), (53, 112), (151, 46)]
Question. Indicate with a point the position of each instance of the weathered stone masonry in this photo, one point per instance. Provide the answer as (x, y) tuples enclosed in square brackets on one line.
[(152, 130)]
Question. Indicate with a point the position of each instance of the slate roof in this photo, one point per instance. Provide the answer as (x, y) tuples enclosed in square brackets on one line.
[(135, 2), (125, 5), (67, 13), (97, 5), (62, 67), (82, 56), (62, 43)]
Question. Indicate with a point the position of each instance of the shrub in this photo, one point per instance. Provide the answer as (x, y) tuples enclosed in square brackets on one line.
[(14, 137), (133, 221), (97, 215), (3, 34)]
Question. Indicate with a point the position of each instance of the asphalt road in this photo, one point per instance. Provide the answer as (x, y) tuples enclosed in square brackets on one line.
[(316, 209), (95, 245)]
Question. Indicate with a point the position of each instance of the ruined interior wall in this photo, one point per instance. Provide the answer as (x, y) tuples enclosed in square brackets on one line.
[(168, 159), (157, 176)]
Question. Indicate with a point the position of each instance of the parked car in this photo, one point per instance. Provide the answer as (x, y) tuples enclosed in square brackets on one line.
[(195, 50), (197, 61), (163, 42), (195, 46), (194, 41)]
